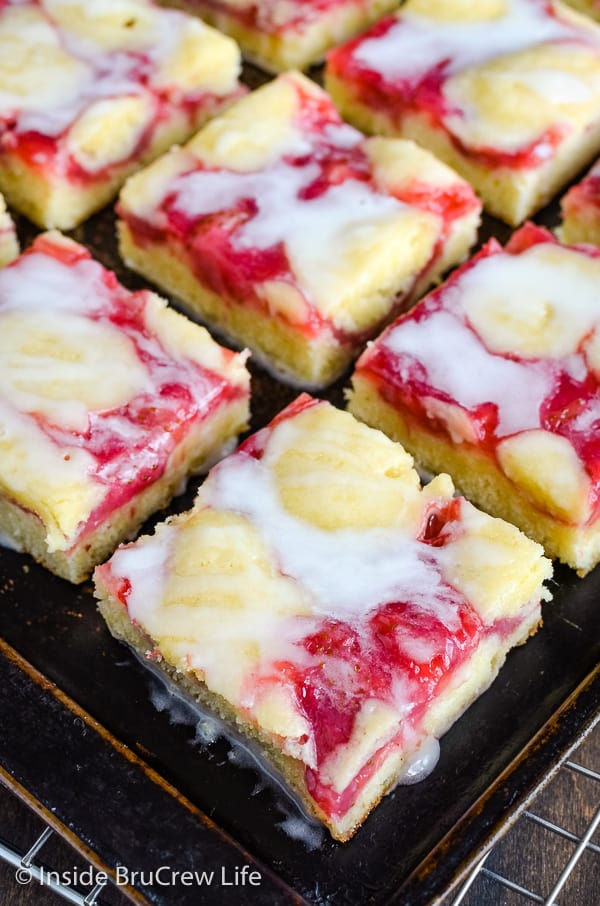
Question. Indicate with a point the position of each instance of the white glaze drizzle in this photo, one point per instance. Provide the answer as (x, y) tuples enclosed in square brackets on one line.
[(556, 86), (421, 762), (588, 419), (56, 335), (74, 300), (315, 232), (458, 362), (415, 44), (41, 300), (470, 374), (300, 828), (342, 574), (42, 282), (94, 72), (182, 709), (347, 572)]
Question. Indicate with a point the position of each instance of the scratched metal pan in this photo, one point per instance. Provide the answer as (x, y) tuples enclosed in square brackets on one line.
[(89, 739)]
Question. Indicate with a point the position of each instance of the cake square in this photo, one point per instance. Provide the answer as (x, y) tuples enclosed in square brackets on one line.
[(289, 232), (580, 209), (9, 244), (287, 34), (108, 401), (494, 377), (91, 91), (320, 598), (507, 92)]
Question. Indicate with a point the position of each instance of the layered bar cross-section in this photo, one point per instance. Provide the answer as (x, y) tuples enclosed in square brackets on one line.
[(108, 401), (494, 377), (320, 598), (291, 233)]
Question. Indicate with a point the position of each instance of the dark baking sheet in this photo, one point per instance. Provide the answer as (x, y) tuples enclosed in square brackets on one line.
[(140, 789)]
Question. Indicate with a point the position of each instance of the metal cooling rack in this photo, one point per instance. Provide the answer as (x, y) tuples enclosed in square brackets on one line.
[(26, 861), (583, 844)]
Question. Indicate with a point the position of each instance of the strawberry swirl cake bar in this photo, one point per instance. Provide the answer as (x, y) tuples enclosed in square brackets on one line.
[(494, 377), (287, 34), (580, 209), (89, 91), (291, 233), (505, 91), (9, 244), (108, 400), (324, 601)]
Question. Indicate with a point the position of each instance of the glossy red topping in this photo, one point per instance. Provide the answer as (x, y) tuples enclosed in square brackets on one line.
[(116, 72), (380, 659), (232, 270), (439, 522), (131, 445), (374, 662), (571, 408), (584, 196), (260, 16), (423, 94)]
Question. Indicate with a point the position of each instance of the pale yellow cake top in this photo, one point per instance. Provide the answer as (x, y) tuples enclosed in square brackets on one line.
[(94, 70), (322, 525), (9, 245), (507, 331), (68, 372), (347, 246), (512, 69)]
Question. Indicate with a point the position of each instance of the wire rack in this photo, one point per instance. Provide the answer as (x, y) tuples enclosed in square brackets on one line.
[(582, 843), (25, 867), (28, 863)]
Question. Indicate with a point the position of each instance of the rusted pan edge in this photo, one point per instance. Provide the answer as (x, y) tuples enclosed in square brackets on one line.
[(499, 807), (112, 806)]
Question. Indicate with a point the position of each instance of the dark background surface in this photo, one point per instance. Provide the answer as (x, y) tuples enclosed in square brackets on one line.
[(528, 854)]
